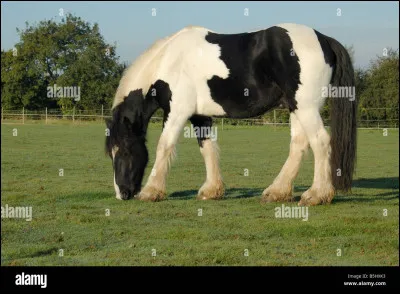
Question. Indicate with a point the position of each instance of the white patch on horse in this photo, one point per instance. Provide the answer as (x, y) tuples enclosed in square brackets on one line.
[(117, 192), (140, 74), (176, 61), (114, 151), (200, 69)]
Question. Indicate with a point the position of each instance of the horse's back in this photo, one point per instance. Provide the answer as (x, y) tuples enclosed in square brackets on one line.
[(244, 74), (236, 75)]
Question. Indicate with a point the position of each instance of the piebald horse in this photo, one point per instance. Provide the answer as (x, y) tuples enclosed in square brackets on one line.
[(196, 74)]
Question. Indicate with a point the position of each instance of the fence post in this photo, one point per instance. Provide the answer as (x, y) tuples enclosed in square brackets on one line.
[(102, 112), (222, 124), (275, 119), (46, 115), (23, 118), (73, 114), (2, 114)]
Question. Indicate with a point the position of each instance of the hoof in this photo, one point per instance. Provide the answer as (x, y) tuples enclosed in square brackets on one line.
[(207, 192), (151, 194), (313, 197), (270, 195)]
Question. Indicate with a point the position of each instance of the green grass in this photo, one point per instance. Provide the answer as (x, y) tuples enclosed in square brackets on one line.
[(69, 211)]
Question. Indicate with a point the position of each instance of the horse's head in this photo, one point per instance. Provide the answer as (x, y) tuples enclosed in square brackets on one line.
[(126, 145)]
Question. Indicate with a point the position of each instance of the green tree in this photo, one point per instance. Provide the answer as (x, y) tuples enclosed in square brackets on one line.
[(381, 87), (21, 83), (69, 53)]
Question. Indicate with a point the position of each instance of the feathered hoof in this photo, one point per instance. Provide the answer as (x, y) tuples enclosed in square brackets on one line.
[(151, 194), (208, 192)]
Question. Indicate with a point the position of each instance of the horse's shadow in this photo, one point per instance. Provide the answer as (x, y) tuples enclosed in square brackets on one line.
[(183, 195), (378, 183), (391, 184), (230, 193)]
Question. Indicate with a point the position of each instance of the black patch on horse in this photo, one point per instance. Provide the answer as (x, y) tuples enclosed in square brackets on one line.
[(201, 121), (264, 72), (162, 95)]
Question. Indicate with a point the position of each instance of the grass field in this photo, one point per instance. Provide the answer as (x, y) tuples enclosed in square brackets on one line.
[(69, 212)]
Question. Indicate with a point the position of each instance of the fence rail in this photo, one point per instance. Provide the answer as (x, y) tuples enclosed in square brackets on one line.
[(275, 117)]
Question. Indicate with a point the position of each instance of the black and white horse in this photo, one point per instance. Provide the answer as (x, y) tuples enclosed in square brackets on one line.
[(196, 74)]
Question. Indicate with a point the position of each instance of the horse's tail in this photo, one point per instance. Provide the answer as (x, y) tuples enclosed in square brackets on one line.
[(343, 113)]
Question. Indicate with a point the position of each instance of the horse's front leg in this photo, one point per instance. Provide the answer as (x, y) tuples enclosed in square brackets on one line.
[(155, 188), (213, 187)]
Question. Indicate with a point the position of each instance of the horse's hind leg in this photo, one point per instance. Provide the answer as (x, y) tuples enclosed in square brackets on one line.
[(281, 188), (322, 190), (213, 188)]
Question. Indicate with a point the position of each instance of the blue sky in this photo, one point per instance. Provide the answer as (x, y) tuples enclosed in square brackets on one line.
[(368, 26)]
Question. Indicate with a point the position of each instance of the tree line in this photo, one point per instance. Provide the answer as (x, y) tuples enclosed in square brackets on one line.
[(72, 53)]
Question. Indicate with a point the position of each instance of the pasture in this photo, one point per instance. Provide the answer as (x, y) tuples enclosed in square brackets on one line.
[(70, 212)]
